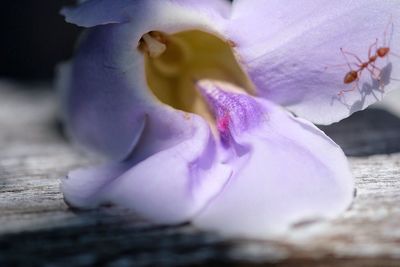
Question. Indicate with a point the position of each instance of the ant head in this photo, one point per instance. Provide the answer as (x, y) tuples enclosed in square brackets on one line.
[(383, 51)]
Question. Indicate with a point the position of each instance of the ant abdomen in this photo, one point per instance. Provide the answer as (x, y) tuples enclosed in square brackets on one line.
[(350, 77)]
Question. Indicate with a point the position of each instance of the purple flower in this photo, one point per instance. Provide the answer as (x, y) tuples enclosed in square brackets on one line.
[(186, 98)]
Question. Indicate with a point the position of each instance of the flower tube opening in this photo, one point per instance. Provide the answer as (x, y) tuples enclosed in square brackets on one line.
[(174, 62)]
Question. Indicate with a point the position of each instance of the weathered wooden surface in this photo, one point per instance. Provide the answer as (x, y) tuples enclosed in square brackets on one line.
[(38, 229)]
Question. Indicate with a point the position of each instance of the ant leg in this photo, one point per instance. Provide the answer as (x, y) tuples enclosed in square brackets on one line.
[(348, 63), (341, 66), (390, 23), (377, 76), (394, 54), (376, 72), (354, 87), (389, 31), (371, 46), (350, 54)]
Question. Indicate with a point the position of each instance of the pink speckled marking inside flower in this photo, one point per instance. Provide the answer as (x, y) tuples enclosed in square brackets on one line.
[(233, 111)]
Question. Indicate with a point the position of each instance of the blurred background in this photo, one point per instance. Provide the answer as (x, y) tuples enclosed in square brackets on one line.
[(34, 39)]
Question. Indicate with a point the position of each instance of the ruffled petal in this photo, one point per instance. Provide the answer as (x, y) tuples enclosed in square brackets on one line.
[(291, 50), (213, 8), (99, 12), (158, 12), (82, 187), (103, 108), (106, 99), (285, 170), (168, 186)]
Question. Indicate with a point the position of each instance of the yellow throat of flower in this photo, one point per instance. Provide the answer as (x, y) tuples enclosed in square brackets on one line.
[(173, 64)]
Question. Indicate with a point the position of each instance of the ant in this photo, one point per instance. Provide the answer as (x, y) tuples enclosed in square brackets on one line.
[(353, 76)]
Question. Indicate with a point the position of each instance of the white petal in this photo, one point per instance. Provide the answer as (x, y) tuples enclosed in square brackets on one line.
[(287, 171), (291, 50)]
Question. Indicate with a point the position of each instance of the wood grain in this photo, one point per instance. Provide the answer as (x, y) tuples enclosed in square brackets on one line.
[(38, 229)]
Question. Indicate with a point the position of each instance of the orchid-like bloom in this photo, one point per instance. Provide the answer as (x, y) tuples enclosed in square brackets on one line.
[(190, 101)]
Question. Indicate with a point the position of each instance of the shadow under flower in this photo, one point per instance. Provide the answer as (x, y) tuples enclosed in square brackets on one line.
[(371, 132)]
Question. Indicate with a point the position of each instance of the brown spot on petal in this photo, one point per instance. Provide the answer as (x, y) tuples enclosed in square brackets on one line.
[(231, 43)]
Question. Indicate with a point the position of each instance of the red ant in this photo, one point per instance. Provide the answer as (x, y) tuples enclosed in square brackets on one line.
[(353, 76)]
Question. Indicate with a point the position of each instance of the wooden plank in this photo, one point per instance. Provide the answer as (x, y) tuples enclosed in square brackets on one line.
[(38, 229)]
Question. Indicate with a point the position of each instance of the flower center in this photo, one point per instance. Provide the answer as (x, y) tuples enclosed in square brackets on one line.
[(174, 63)]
